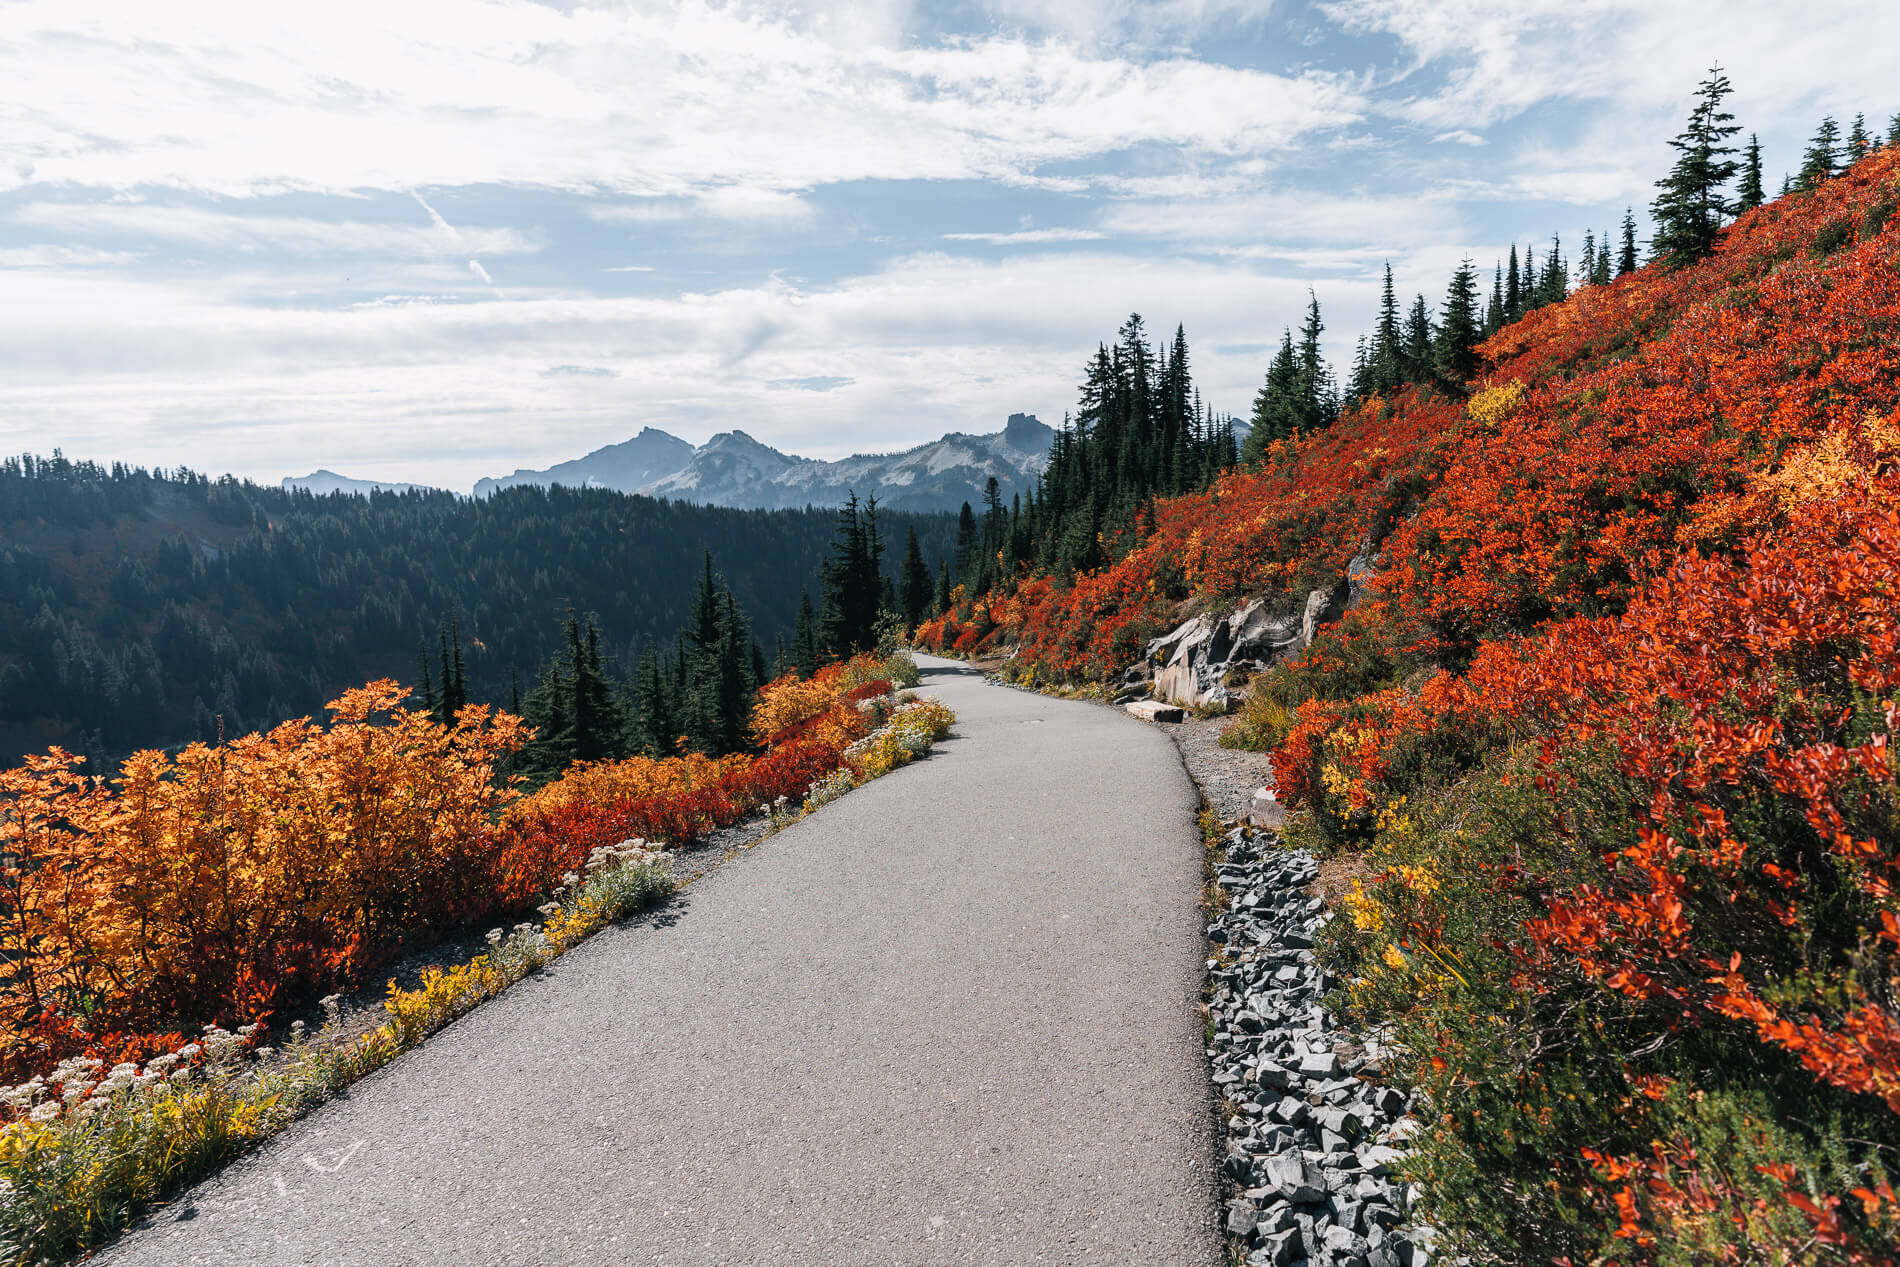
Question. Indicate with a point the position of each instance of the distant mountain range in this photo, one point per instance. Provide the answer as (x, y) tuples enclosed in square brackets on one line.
[(733, 469), (325, 482)]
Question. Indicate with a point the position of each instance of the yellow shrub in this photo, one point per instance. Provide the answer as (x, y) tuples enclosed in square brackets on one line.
[(1493, 405)]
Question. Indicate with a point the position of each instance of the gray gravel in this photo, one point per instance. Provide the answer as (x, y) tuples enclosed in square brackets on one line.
[(950, 1019), (1228, 777), (1314, 1140)]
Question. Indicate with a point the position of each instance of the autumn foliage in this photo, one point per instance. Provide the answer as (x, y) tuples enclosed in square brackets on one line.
[(233, 881), (1611, 722)]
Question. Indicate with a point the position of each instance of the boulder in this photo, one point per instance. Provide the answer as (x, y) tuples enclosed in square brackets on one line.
[(1154, 710), (1254, 633), (1322, 608), (1265, 811)]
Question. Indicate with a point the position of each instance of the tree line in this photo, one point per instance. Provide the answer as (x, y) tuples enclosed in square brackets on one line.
[(148, 608)]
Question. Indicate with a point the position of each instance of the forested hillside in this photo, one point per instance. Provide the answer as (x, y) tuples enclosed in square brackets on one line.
[(1605, 727), (147, 608)]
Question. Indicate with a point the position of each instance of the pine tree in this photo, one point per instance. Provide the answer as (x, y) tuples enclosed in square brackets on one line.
[(1821, 161), (1455, 356), (1691, 207), (700, 679), (943, 587), (1419, 342), (1276, 411), (1554, 285), (1626, 258), (853, 580), (1494, 311), (1587, 266), (1318, 398), (1513, 289), (914, 595), (1893, 130), (656, 722), (1859, 143), (805, 650), (1388, 341), (736, 678), (427, 690), (1750, 195), (1606, 271)]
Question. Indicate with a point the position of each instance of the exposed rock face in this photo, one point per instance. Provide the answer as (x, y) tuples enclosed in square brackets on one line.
[(1193, 660)]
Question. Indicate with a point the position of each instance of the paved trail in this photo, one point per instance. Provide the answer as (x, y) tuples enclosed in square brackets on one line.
[(947, 1020)]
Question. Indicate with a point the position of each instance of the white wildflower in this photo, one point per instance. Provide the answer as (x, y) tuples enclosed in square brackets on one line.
[(46, 1112)]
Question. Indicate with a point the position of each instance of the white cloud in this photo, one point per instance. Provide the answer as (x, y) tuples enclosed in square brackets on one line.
[(50, 255), (675, 99), (475, 267), (1028, 237), (164, 372), (219, 230), (1638, 58)]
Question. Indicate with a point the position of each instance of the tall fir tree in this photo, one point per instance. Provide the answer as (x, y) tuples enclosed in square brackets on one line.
[(914, 592), (1419, 342), (1692, 205), (1388, 340), (1626, 257), (1750, 194), (1455, 357), (1859, 143), (854, 581), (805, 654), (1513, 289), (1821, 160)]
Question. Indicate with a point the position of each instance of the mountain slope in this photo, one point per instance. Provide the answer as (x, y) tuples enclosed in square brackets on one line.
[(625, 467), (322, 483), (733, 469), (1605, 729)]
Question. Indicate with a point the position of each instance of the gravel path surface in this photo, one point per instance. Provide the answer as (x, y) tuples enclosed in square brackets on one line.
[(1228, 777), (950, 1019)]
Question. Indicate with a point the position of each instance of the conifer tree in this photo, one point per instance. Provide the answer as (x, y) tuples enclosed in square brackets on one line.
[(1859, 143), (853, 580), (1692, 205), (1750, 195), (1821, 161), (656, 720), (1626, 258), (943, 587), (1587, 266), (1893, 129), (914, 595), (1494, 311), (805, 650), (1419, 342), (1388, 341), (1513, 289), (1455, 356), (427, 690)]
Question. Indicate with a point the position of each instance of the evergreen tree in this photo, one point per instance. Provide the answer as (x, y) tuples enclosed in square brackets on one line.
[(1318, 397), (1893, 130), (853, 581), (1691, 207), (1419, 342), (1455, 356), (914, 595), (805, 650), (1494, 311), (1276, 412), (454, 693), (1750, 195), (1587, 266), (427, 690), (1821, 161), (1554, 286), (943, 587), (1859, 143), (1626, 259), (1388, 341), (735, 677), (1513, 289), (656, 719)]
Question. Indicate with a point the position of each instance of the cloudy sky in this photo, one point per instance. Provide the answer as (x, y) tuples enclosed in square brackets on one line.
[(439, 239)]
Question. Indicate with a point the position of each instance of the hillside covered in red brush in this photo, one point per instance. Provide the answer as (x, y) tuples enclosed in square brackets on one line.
[(1608, 728)]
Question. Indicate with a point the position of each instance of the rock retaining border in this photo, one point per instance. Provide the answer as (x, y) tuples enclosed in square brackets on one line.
[(1312, 1138)]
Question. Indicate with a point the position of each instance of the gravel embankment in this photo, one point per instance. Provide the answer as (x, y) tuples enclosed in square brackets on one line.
[(1227, 777), (1311, 1134)]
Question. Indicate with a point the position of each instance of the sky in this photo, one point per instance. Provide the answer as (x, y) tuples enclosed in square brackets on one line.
[(440, 239)]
